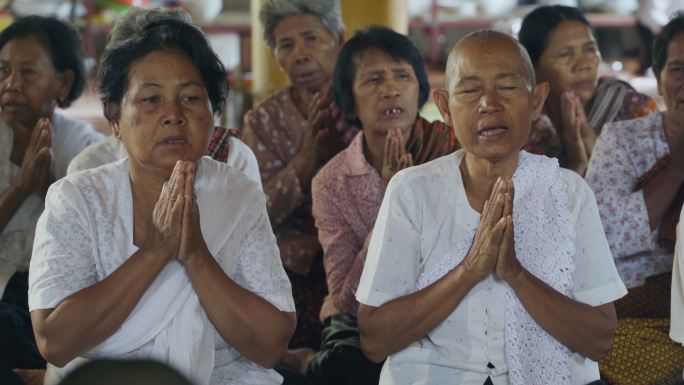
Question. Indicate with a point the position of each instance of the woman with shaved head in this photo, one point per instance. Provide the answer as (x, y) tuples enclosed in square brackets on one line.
[(489, 265)]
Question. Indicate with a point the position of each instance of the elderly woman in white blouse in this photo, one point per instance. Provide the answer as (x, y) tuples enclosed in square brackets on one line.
[(677, 300), (451, 292), (164, 254)]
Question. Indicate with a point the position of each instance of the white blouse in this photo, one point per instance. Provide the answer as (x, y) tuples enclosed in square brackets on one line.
[(677, 299), (424, 216), (86, 233), (70, 136), (240, 157), (624, 152)]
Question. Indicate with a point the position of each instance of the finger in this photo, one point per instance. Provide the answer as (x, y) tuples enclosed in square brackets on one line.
[(496, 211), (386, 151), (507, 238), (410, 160), (189, 188), (392, 156), (398, 150), (508, 205)]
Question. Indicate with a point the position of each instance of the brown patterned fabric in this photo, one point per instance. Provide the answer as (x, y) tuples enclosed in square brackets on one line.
[(651, 300), (643, 354)]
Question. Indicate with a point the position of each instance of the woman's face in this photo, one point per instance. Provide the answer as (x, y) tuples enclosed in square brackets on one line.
[(671, 79), (306, 51), (165, 114), (29, 84), (570, 61), (385, 92)]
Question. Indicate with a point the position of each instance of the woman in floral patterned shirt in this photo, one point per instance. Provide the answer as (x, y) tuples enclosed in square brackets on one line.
[(564, 52)]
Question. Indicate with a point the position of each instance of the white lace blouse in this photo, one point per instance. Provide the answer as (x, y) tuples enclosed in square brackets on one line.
[(86, 232), (70, 136), (424, 217), (624, 152)]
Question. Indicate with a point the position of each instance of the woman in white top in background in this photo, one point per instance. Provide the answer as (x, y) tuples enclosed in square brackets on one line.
[(41, 67), (165, 254)]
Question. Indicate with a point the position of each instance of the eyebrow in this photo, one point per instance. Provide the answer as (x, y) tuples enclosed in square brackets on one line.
[(675, 62), (475, 78), (182, 85)]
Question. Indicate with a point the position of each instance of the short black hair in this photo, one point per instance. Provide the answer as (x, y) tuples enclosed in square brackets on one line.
[(62, 42), (164, 35), (538, 25), (669, 31), (396, 45)]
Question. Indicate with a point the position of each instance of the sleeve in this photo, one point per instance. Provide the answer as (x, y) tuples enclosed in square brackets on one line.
[(677, 298), (596, 280), (393, 259), (242, 158), (637, 105), (62, 262), (623, 211), (343, 253), (259, 269), (282, 186)]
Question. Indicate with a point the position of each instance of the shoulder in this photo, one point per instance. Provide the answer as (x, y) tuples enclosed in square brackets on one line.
[(214, 177), (436, 169), (91, 184), (333, 172), (70, 127), (269, 105), (632, 130), (105, 151)]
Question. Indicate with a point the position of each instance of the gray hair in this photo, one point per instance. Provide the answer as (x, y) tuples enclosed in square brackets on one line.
[(135, 20), (274, 11), (483, 36)]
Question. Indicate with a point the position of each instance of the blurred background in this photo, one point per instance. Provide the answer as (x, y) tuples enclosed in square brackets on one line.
[(622, 28)]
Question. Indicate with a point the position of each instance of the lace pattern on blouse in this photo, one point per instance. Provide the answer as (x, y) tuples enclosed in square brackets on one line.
[(544, 245)]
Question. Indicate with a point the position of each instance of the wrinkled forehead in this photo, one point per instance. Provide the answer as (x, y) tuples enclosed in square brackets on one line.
[(487, 58)]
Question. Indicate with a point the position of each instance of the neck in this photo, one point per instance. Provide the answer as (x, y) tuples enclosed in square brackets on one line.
[(374, 149), (672, 127), (302, 99), (479, 176), (146, 186)]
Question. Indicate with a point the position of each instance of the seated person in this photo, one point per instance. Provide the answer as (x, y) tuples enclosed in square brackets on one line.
[(637, 174), (677, 314), (162, 229), (224, 146), (293, 133), (451, 292), (380, 82), (41, 67), (561, 44)]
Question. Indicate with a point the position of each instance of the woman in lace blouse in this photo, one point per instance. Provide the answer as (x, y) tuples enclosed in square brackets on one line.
[(451, 292), (164, 254)]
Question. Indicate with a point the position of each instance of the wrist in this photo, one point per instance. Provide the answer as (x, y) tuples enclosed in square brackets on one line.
[(517, 278), (196, 260)]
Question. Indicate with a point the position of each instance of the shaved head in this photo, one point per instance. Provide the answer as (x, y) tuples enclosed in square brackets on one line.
[(483, 38)]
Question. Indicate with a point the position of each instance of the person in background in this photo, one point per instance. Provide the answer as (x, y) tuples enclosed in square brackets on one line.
[(165, 254), (677, 299), (293, 133), (129, 372), (637, 175), (380, 83), (563, 49), (488, 265), (224, 145), (41, 68)]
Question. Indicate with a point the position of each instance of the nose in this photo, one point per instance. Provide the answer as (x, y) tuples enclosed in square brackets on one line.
[(585, 62), (301, 54), (13, 81), (173, 114), (489, 102), (390, 89)]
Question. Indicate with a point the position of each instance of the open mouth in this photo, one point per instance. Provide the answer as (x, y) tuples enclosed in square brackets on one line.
[(174, 140), (393, 111), (492, 131)]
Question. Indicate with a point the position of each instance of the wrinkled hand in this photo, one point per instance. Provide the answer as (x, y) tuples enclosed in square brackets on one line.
[(484, 252), (191, 239), (572, 130), (395, 157), (507, 264), (35, 174), (167, 215), (323, 136)]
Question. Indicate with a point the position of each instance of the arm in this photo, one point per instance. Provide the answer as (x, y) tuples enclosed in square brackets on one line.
[(624, 212), (248, 322), (286, 187), (91, 315), (343, 255), (395, 324), (585, 329)]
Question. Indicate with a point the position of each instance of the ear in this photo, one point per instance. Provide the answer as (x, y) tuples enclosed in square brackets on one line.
[(66, 81), (340, 39), (659, 83), (441, 97), (541, 92)]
